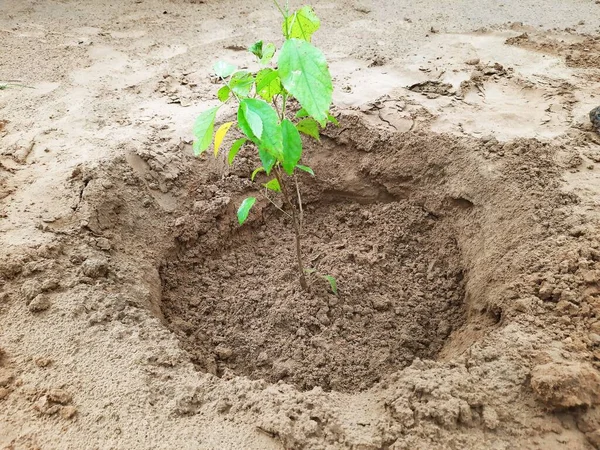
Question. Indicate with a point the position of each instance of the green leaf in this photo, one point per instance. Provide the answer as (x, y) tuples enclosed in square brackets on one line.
[(203, 130), (267, 54), (273, 185), (332, 120), (268, 84), (256, 172), (259, 121), (234, 150), (332, 283), (301, 113), (223, 69), (241, 83), (257, 49), (244, 209), (224, 93), (267, 159), (304, 74), (250, 122), (310, 127), (292, 146), (306, 169), (302, 24), (310, 270)]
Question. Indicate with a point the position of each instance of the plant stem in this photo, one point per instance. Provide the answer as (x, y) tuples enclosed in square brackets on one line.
[(285, 15), (283, 104), (231, 90), (297, 231), (279, 8), (299, 203), (264, 194), (295, 219), (276, 106)]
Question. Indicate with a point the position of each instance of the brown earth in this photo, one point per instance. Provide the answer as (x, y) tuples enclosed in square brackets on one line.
[(456, 205)]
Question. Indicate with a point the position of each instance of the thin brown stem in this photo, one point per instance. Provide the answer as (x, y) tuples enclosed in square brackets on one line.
[(297, 232), (283, 105), (276, 106), (264, 194), (299, 203)]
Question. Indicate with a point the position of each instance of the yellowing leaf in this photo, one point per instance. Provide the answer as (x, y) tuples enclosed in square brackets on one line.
[(302, 24), (220, 135)]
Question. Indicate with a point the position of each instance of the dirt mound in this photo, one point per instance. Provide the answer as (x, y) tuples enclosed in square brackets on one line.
[(578, 51)]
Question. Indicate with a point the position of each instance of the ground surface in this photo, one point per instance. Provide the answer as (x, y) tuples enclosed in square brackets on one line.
[(457, 205)]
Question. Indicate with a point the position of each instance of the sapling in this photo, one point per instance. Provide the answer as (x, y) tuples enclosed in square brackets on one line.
[(12, 84), (264, 119)]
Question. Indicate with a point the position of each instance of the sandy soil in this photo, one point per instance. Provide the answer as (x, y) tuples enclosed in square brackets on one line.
[(457, 204)]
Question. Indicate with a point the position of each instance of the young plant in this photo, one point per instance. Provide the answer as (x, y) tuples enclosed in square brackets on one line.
[(12, 84), (263, 117)]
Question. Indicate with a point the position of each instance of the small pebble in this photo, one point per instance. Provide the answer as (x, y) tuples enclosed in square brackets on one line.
[(39, 303), (43, 362), (223, 352), (67, 412), (490, 418), (95, 267), (59, 396)]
